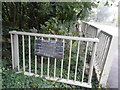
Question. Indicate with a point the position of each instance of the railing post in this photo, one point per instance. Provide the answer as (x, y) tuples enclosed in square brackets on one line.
[(15, 51), (108, 63), (12, 51)]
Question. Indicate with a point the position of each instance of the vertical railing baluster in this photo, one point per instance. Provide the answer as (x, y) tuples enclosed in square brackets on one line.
[(12, 51), (23, 53), (83, 71), (69, 59), (42, 63), (17, 51), (77, 60), (29, 55), (62, 59), (48, 64), (55, 64), (55, 68), (92, 62), (35, 60)]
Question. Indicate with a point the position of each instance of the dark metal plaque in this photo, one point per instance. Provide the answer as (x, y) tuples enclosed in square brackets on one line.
[(49, 48)]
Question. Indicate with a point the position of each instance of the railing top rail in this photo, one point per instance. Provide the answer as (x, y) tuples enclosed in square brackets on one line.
[(55, 36), (112, 30), (106, 33), (90, 24)]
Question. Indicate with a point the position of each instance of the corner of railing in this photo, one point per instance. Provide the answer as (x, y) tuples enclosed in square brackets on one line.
[(96, 40), (12, 32)]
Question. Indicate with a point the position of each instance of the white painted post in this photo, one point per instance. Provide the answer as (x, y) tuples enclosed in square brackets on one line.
[(16, 51), (108, 63), (12, 49)]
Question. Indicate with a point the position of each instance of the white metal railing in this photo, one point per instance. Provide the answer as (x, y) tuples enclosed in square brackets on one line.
[(16, 60), (104, 52)]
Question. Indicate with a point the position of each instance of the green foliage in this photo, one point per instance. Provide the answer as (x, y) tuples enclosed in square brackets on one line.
[(28, 15), (47, 17)]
